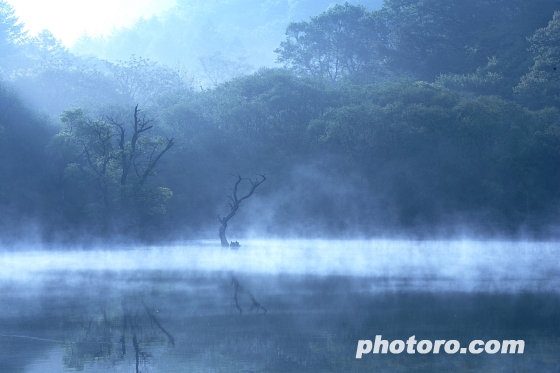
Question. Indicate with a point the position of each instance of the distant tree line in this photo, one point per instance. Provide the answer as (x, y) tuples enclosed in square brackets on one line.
[(422, 118)]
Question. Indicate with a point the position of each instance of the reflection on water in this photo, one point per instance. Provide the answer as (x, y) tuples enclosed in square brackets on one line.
[(277, 306), (104, 337)]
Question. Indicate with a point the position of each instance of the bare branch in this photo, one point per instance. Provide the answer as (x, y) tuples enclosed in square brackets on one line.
[(234, 203), (151, 166), (254, 184)]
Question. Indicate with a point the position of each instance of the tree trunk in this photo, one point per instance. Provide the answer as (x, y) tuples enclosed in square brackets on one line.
[(234, 203), (223, 238)]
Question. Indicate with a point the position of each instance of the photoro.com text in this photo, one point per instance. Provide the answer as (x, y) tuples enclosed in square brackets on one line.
[(412, 346)]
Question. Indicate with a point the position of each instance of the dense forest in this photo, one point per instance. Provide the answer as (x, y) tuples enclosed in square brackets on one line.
[(215, 40), (418, 118)]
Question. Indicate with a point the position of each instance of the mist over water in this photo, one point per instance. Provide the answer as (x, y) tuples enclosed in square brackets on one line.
[(380, 119), (423, 265), (272, 304)]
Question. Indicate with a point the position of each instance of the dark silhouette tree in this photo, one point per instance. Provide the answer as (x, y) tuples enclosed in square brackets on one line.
[(138, 154), (234, 203), (119, 157)]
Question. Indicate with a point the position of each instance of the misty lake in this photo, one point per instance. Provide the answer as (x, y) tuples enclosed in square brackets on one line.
[(277, 306)]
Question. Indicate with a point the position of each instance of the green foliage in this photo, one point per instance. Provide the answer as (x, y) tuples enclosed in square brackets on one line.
[(106, 173), (48, 50), (541, 86), (430, 153), (91, 145), (141, 80), (343, 41), (272, 106), (478, 47), (351, 131), (439, 152), (242, 34), (11, 29), (486, 80), (55, 80), (157, 199), (219, 68), (12, 39), (435, 37)]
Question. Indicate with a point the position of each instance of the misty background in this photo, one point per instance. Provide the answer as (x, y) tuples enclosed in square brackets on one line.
[(394, 118)]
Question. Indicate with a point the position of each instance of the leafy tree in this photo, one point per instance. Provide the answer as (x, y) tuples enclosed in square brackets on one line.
[(270, 110), (433, 37), (56, 85), (141, 80), (541, 86), (219, 68), (141, 153), (343, 41), (93, 142), (485, 80), (432, 152), (413, 152), (245, 31), (52, 79), (118, 158), (11, 29), (12, 35), (57, 80), (48, 50)]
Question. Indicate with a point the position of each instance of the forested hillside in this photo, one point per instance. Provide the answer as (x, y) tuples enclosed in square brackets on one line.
[(420, 118), (214, 40)]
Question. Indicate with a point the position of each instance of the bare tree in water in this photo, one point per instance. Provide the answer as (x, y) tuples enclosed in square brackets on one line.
[(234, 202)]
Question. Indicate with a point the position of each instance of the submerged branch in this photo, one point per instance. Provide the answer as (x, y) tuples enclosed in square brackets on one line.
[(153, 318)]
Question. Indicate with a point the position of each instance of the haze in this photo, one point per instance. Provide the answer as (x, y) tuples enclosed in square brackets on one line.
[(70, 19), (256, 185)]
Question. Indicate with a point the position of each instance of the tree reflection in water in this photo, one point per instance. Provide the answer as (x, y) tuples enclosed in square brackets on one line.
[(97, 339)]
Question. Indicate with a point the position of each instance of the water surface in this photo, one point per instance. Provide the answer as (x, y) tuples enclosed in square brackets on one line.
[(276, 306)]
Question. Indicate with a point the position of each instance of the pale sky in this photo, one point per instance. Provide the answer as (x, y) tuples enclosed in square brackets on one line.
[(69, 19)]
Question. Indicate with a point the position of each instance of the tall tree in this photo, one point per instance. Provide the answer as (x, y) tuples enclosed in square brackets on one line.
[(11, 29), (433, 37), (140, 154), (118, 157), (345, 40), (12, 34), (141, 80)]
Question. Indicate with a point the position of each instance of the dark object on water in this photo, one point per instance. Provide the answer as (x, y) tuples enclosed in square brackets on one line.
[(238, 289), (234, 245), (234, 203)]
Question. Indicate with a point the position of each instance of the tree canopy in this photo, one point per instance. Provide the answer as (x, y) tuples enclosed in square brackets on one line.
[(343, 41), (540, 87), (420, 117)]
